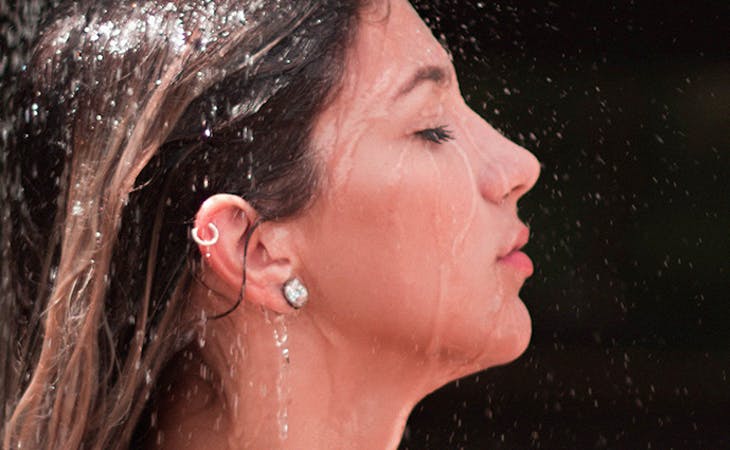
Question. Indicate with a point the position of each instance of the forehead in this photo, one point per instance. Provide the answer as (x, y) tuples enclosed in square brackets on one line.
[(392, 43)]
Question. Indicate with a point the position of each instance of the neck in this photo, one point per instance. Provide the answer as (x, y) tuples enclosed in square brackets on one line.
[(330, 393)]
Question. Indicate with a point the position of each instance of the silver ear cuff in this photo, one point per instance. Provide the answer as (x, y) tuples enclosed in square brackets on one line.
[(206, 242), (295, 293)]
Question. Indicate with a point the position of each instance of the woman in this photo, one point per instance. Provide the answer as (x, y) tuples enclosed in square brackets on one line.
[(237, 225)]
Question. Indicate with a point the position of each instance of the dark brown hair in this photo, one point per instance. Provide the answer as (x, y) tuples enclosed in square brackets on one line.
[(127, 117)]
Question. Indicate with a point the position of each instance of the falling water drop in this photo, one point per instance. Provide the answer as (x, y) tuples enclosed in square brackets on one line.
[(281, 338), (201, 335)]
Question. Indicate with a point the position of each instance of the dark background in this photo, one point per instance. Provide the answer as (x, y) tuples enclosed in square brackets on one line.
[(627, 106)]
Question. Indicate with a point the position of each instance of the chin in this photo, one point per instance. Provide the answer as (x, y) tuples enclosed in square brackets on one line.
[(504, 342), (495, 341), (517, 338)]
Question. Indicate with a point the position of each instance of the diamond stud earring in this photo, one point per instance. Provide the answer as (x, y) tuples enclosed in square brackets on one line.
[(295, 293)]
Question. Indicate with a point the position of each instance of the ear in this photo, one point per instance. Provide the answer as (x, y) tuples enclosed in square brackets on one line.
[(268, 259)]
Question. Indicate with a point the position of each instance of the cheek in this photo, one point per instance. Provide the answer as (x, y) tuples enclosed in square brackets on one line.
[(403, 250), (395, 223)]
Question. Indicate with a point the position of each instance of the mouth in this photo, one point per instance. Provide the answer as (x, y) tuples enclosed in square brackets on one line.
[(513, 257)]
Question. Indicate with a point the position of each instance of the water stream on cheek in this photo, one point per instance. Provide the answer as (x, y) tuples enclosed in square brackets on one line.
[(471, 172)]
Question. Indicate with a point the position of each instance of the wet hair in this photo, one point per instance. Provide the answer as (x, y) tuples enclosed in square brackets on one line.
[(127, 117)]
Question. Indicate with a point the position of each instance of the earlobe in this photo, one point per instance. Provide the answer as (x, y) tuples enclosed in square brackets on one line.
[(230, 241)]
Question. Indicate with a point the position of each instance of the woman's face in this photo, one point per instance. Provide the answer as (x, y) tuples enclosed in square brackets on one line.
[(410, 243)]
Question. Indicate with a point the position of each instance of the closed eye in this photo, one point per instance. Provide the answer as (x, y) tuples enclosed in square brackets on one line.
[(437, 135)]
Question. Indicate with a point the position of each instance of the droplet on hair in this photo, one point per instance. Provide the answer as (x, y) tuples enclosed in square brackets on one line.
[(77, 209), (201, 335)]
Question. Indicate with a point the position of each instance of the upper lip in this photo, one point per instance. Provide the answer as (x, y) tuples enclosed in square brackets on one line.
[(519, 241)]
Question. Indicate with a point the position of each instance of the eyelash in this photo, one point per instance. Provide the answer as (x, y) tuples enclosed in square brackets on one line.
[(437, 135)]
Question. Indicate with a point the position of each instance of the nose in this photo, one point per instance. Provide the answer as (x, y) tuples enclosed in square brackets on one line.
[(506, 171)]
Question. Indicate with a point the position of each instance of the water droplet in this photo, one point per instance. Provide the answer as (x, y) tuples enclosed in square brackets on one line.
[(77, 209)]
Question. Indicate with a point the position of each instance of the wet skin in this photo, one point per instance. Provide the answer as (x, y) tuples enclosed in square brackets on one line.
[(410, 252), (407, 243)]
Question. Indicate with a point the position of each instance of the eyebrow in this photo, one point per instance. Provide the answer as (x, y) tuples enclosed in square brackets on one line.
[(435, 74)]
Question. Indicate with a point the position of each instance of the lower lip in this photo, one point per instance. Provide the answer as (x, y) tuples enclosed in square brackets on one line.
[(519, 261)]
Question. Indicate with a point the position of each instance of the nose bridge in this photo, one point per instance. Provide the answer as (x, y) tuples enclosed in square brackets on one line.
[(506, 170)]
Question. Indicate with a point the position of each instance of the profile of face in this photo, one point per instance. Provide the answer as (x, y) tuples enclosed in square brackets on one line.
[(412, 243), (407, 239)]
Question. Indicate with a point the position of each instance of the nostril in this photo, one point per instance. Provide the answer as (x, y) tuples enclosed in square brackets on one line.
[(515, 192), (515, 189)]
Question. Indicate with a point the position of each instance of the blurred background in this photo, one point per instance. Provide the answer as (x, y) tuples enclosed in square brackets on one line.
[(627, 105)]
